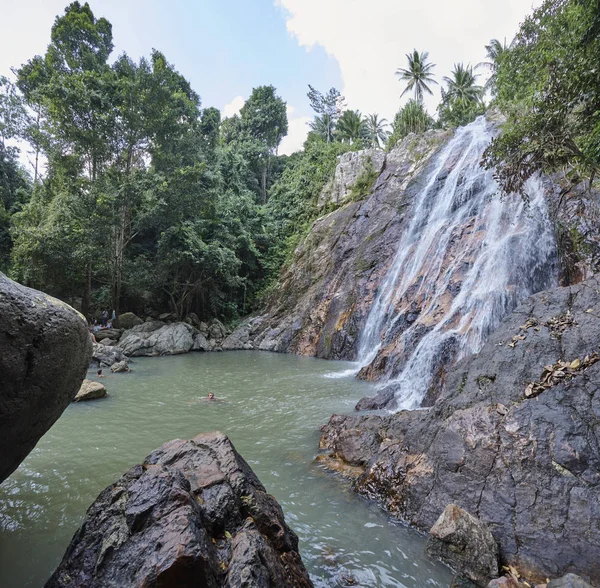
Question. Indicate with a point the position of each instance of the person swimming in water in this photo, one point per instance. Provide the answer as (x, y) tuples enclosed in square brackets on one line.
[(211, 397)]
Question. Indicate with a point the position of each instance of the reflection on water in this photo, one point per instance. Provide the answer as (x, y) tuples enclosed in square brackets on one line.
[(272, 408)]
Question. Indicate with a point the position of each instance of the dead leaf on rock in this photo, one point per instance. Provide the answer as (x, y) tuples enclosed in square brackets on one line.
[(555, 374)]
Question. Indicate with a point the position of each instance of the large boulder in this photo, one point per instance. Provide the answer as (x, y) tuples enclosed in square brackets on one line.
[(90, 390), (107, 355), (513, 440), (120, 367), (112, 334), (193, 514), (128, 320), (45, 350), (156, 338), (465, 544)]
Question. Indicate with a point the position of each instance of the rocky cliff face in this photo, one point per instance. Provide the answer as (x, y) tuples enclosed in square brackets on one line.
[(193, 514), (326, 293), (45, 350), (415, 275), (514, 439)]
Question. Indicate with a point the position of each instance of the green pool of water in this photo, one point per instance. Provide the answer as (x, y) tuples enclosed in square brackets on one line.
[(272, 408)]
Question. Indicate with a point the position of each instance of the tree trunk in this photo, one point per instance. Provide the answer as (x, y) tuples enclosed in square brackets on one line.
[(87, 293), (263, 184)]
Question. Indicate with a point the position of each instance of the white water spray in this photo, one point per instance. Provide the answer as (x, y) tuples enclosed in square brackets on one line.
[(466, 260)]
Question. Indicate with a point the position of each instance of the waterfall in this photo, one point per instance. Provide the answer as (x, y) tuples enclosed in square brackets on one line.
[(465, 260)]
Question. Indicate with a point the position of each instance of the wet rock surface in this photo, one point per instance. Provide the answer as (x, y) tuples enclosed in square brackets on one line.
[(527, 467), (45, 350), (465, 544), (193, 514)]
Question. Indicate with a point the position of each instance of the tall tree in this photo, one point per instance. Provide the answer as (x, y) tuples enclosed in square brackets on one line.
[(417, 75), (263, 120), (329, 108)]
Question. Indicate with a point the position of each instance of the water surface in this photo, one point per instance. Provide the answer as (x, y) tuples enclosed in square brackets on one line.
[(272, 408)]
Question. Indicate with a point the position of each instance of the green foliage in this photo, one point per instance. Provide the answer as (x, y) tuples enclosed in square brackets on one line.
[(462, 101), (495, 52), (548, 84), (412, 118), (352, 128), (364, 182), (292, 207)]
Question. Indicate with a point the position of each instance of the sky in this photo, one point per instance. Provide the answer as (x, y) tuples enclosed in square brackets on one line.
[(227, 47)]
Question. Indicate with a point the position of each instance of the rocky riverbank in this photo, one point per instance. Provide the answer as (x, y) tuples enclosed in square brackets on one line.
[(193, 514), (513, 440)]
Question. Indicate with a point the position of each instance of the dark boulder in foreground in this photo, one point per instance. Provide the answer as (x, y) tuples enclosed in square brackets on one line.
[(45, 349), (514, 440), (192, 515)]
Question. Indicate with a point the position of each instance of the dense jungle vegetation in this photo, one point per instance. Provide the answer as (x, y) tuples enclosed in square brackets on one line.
[(140, 199)]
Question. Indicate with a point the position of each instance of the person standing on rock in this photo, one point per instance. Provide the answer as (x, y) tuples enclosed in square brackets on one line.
[(104, 317)]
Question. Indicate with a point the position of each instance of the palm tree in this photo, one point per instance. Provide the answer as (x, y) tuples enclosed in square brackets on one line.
[(462, 87), (494, 53), (417, 75), (323, 126), (351, 127), (376, 130)]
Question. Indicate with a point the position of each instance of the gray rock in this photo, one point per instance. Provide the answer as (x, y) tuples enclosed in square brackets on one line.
[(155, 338), (504, 582), (200, 343), (349, 167), (194, 514), (107, 355), (128, 320), (529, 468), (109, 342), (239, 339), (569, 581), (465, 544), (384, 399), (113, 334), (45, 350), (120, 367), (217, 330), (90, 390)]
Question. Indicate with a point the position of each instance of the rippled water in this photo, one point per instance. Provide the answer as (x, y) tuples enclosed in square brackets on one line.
[(272, 408)]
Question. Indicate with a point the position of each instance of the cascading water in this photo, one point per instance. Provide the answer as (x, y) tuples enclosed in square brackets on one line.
[(466, 259)]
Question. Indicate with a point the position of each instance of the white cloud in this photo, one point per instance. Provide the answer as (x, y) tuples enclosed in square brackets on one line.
[(234, 106), (369, 39), (297, 131)]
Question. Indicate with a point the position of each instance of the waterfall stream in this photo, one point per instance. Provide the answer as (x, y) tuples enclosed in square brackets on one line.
[(465, 260)]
